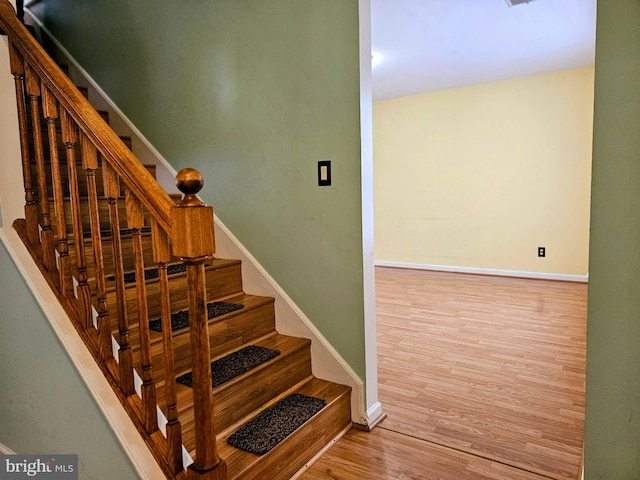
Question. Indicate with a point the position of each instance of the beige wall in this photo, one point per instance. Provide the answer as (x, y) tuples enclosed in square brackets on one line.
[(481, 176), (11, 198)]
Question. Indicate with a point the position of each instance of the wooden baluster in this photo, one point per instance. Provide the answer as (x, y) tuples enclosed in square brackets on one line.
[(46, 236), (193, 242), (135, 221), (50, 111), (125, 356), (90, 165), (70, 139), (162, 256), (20, 10), (30, 207)]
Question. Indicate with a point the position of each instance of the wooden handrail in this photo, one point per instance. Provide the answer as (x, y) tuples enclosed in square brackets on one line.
[(63, 223), (126, 165)]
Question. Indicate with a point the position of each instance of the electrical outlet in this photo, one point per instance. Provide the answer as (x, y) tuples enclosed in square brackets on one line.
[(542, 251)]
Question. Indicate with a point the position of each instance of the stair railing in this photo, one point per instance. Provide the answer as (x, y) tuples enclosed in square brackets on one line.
[(82, 184)]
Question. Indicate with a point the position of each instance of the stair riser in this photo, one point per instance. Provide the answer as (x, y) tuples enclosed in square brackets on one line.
[(242, 329), (107, 255), (232, 403), (250, 325), (240, 399), (221, 282), (227, 335)]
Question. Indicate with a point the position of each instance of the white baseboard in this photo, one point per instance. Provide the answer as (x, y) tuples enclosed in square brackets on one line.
[(486, 271), (375, 415)]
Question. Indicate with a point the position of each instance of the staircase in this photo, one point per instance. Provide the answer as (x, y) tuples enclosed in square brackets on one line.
[(134, 269)]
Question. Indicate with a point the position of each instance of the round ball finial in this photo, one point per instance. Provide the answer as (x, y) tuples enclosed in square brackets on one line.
[(189, 181)]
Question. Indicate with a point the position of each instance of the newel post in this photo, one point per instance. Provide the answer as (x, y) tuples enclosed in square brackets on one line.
[(193, 241)]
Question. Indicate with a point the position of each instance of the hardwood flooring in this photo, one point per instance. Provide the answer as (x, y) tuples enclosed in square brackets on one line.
[(481, 378), (386, 455)]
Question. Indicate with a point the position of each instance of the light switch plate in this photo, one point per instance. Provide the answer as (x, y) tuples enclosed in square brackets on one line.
[(324, 173)]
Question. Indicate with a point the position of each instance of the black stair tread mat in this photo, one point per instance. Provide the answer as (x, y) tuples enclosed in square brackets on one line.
[(181, 319), (123, 231), (276, 423), (234, 364)]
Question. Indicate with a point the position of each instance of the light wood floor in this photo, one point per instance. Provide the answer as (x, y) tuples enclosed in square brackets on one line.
[(481, 378)]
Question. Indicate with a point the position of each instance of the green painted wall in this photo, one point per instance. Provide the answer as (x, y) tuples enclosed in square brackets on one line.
[(612, 444), (253, 93), (45, 405)]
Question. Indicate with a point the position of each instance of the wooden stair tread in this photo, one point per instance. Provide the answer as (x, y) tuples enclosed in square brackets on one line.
[(181, 336), (249, 303), (285, 344), (240, 396), (223, 277), (146, 234), (296, 450), (213, 265), (227, 333)]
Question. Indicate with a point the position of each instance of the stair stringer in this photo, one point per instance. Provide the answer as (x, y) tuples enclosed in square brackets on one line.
[(327, 363)]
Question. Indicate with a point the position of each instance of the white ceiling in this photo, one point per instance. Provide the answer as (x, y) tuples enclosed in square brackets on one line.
[(421, 46)]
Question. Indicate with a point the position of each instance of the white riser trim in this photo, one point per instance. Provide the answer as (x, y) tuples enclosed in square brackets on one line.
[(486, 271)]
